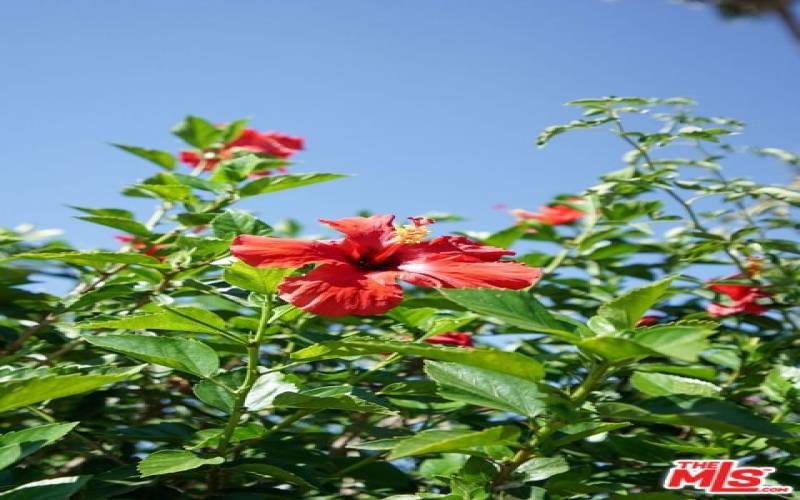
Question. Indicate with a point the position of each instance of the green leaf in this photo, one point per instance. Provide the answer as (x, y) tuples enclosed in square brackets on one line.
[(232, 223), (684, 448), (121, 223), (683, 340), (232, 130), (506, 237), (550, 132), (436, 441), (288, 181), (185, 319), (92, 259), (256, 279), (782, 382), (488, 388), (106, 212), (582, 430), (340, 402), (171, 461), (197, 132), (160, 158), (265, 470), (661, 384), (626, 310), (710, 413), (697, 371), (60, 488), (240, 168), (511, 363), (16, 445), (212, 436), (517, 308), (185, 355), (267, 387), (168, 192), (414, 317), (616, 349), (378, 444), (220, 393), (540, 468), (18, 393)]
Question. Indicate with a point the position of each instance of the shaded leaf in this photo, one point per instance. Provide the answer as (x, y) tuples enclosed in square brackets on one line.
[(186, 319), (19, 393), (171, 461), (540, 468), (17, 445), (340, 402), (517, 308), (661, 384), (710, 413), (60, 488), (181, 354), (489, 388), (435, 441), (511, 363)]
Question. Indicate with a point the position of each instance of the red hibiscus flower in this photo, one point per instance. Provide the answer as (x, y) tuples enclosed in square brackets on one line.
[(358, 274), (451, 338), (137, 244), (273, 144), (743, 298), (648, 320), (554, 215)]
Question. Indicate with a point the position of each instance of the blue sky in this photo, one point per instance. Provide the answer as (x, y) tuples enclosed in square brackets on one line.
[(432, 104)]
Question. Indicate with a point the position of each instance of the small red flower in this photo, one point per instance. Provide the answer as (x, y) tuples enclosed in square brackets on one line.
[(648, 320), (358, 274), (452, 338), (554, 215), (137, 244), (743, 298), (273, 144)]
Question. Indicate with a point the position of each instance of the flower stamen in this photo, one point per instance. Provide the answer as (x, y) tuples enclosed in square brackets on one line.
[(416, 232)]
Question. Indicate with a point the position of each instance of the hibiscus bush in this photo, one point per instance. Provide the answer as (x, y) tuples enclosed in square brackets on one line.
[(218, 353)]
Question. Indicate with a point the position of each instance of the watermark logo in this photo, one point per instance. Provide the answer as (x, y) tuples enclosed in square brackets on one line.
[(722, 477)]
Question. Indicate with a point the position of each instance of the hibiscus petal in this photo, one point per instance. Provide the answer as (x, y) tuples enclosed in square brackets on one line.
[(262, 251), (453, 245), (341, 289), (735, 292), (270, 143), (452, 338), (473, 248), (747, 305), (365, 235), (739, 292), (450, 271), (190, 158)]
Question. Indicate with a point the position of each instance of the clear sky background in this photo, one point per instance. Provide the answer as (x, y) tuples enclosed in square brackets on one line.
[(432, 104)]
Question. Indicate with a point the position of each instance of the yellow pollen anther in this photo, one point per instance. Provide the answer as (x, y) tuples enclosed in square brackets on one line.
[(754, 266), (410, 234)]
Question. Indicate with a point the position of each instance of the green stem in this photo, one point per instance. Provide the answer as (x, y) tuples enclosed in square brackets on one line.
[(561, 256), (253, 355), (596, 375)]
